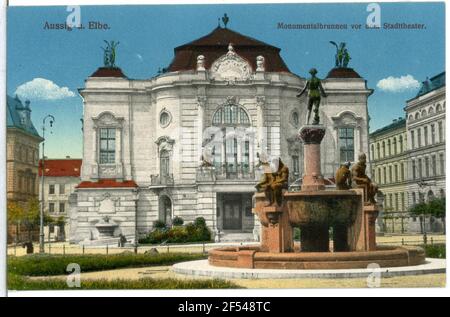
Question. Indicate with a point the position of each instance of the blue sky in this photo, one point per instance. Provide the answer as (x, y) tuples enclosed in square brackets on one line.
[(148, 34)]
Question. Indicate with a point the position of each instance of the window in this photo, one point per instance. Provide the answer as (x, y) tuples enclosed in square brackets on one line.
[(425, 136), (62, 189), (384, 175), (231, 115), (164, 119), (107, 145), (396, 202), (402, 207), (295, 119), (433, 165), (390, 174), (427, 167), (295, 165), (378, 150), (62, 208), (246, 156), (419, 138), (440, 132), (412, 140), (379, 175), (389, 147), (346, 144), (396, 172), (51, 207), (419, 163), (372, 152), (413, 198), (442, 163), (383, 146), (433, 134), (51, 189), (402, 172), (395, 146), (414, 169), (401, 143), (164, 163)]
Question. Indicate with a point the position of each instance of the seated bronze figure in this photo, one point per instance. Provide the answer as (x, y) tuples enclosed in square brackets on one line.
[(276, 177)]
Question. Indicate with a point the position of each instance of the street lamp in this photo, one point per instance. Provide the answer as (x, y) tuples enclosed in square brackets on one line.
[(41, 223)]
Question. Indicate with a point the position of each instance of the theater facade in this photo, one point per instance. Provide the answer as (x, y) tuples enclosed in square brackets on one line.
[(187, 142)]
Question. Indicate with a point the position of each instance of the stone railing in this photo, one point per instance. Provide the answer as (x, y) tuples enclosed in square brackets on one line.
[(226, 172), (158, 180)]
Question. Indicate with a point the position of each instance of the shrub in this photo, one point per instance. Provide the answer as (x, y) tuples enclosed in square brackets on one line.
[(192, 232), (177, 221), (436, 251), (37, 264), (158, 224)]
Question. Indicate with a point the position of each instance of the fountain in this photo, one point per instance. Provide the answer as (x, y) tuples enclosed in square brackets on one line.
[(351, 213), (106, 227)]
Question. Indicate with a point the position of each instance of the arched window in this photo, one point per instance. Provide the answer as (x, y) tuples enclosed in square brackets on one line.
[(416, 116), (430, 195), (231, 115), (424, 113), (438, 108), (378, 150), (400, 141), (410, 118), (389, 147), (430, 110)]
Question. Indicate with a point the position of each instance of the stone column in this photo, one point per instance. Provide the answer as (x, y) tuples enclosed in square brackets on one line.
[(312, 136), (262, 137)]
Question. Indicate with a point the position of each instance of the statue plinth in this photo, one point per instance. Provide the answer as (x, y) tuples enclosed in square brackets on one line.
[(312, 136), (276, 232)]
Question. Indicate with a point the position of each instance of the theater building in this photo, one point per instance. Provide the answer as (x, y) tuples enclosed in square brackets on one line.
[(186, 142)]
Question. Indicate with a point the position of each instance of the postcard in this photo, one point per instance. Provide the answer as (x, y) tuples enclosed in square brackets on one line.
[(225, 146)]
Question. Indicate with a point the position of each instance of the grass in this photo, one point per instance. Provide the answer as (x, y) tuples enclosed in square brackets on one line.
[(48, 265), (22, 283)]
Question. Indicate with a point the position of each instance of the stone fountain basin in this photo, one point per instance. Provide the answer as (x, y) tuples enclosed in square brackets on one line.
[(322, 207)]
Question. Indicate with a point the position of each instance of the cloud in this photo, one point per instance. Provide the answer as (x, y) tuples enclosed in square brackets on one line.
[(139, 56), (43, 89), (398, 84)]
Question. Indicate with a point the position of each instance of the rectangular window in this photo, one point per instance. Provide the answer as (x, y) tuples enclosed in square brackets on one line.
[(419, 138), (412, 140), (433, 165), (390, 174), (433, 134), (51, 207), (419, 163), (246, 157), (440, 132), (396, 202), (51, 189), (62, 208), (396, 173), (62, 189), (414, 169), (384, 175), (442, 163), (425, 136), (427, 167), (107, 145), (402, 172), (402, 195), (346, 144)]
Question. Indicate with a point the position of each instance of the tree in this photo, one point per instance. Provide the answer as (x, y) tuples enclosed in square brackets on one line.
[(435, 207), (31, 217), (15, 215)]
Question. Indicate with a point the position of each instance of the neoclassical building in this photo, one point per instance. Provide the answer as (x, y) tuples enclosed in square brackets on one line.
[(186, 142), (408, 158), (389, 163), (425, 128)]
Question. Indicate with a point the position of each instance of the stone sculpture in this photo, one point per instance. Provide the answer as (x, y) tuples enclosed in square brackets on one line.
[(344, 177), (275, 179), (109, 54), (360, 178)]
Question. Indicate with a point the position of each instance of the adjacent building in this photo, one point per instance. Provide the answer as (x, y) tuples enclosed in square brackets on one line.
[(389, 163), (425, 128), (22, 156), (61, 176), (408, 159), (187, 142)]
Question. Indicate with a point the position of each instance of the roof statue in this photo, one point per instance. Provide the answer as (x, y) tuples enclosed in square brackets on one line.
[(109, 54), (342, 57)]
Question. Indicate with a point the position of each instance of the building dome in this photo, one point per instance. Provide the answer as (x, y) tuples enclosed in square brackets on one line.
[(215, 44)]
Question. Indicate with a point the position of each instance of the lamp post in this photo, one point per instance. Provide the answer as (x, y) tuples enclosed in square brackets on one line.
[(41, 222)]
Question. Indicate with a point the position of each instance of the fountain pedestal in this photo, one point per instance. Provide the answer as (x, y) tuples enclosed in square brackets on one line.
[(312, 136), (276, 232)]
